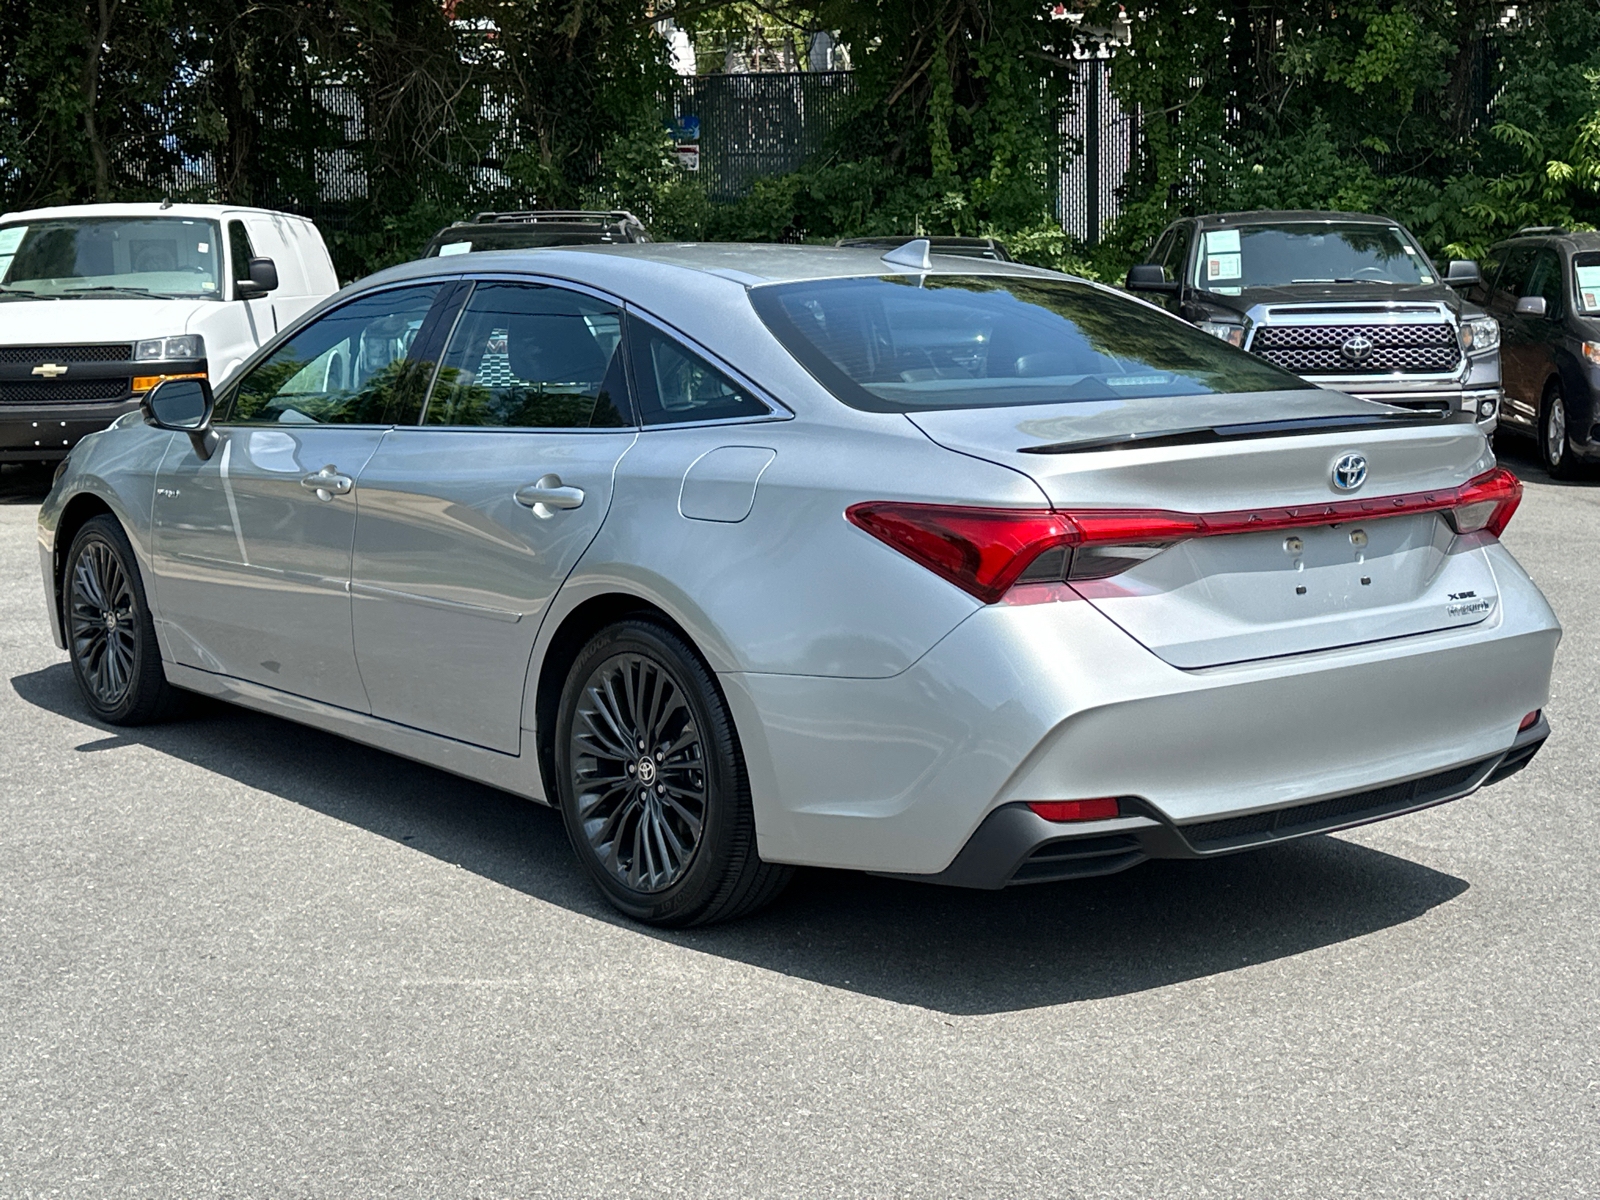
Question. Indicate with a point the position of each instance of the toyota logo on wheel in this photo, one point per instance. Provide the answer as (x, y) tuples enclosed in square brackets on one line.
[(1350, 472), (1357, 348)]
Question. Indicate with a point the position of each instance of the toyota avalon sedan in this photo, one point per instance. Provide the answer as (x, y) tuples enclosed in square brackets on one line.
[(750, 557)]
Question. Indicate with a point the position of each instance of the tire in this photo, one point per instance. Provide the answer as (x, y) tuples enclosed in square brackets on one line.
[(1555, 451), (669, 837), (110, 636)]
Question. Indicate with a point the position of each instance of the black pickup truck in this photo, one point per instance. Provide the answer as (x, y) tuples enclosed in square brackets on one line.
[(1346, 300)]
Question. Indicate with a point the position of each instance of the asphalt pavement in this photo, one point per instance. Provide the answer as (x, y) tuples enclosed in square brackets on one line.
[(243, 958)]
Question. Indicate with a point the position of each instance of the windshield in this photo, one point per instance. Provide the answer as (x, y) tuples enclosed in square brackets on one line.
[(1586, 267), (112, 256), (904, 344), (1252, 256)]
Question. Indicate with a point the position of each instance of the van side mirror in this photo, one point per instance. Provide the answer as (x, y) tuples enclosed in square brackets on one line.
[(1532, 306), (263, 279), (1149, 277), (183, 406), (1463, 273)]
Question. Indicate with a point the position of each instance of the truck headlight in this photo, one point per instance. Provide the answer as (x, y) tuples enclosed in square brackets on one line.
[(1591, 352), (1480, 335), (1226, 330), (185, 345)]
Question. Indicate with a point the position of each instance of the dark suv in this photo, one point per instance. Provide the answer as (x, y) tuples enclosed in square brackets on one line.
[(534, 228), (1543, 286), (1346, 300)]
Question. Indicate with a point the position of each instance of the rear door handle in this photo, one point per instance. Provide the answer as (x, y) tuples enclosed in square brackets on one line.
[(549, 494), (328, 483)]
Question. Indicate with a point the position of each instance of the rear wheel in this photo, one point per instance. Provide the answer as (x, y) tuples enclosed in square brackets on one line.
[(652, 783), (110, 635), (1554, 448)]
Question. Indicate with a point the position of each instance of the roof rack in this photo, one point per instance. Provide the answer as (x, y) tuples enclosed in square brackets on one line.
[(1529, 230), (536, 215)]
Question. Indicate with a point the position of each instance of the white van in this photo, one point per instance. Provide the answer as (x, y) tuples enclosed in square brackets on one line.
[(100, 302)]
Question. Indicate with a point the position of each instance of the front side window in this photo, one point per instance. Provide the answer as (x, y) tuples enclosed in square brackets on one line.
[(1252, 256), (113, 257), (1586, 274), (1512, 283), (241, 252), (677, 386), (1546, 281), (351, 366), (528, 356), (904, 344)]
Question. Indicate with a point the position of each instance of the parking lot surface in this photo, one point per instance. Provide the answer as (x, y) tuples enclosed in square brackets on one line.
[(240, 957)]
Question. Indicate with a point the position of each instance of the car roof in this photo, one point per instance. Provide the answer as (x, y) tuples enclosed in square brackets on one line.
[(741, 263), (1290, 216), (1569, 239), (207, 212)]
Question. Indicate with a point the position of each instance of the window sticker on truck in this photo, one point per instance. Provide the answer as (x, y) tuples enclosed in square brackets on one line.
[(1223, 259), (1589, 287)]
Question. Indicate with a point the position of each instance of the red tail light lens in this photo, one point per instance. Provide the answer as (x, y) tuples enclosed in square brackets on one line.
[(1102, 809), (1529, 721), (986, 550), (980, 550)]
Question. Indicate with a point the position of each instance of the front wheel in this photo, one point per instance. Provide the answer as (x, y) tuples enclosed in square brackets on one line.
[(110, 635), (652, 783)]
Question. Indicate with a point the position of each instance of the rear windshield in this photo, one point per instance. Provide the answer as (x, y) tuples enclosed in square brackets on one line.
[(1252, 256), (914, 343), (1586, 270)]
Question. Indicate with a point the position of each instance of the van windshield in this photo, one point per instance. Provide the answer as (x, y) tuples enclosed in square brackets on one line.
[(912, 343), (112, 257)]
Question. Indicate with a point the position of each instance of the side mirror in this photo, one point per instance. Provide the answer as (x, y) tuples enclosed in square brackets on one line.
[(183, 406), (263, 279), (1532, 306), (1148, 277), (1463, 273)]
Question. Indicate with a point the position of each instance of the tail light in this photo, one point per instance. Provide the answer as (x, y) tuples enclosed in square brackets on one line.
[(984, 551)]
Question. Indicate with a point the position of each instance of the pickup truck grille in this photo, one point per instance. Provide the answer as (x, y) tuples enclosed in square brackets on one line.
[(80, 390), (117, 352), (1336, 349)]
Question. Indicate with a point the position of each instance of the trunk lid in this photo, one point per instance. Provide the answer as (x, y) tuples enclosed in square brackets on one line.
[(1237, 597)]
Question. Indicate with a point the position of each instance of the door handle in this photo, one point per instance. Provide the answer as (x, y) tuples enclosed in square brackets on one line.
[(549, 494), (328, 483)]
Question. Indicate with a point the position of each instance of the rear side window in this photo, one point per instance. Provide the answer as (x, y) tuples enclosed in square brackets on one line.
[(676, 386), (528, 356), (908, 343)]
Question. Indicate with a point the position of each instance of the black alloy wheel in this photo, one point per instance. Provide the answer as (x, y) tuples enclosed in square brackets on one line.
[(1555, 451), (110, 636), (652, 784)]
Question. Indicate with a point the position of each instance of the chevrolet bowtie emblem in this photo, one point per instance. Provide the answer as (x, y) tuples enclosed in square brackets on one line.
[(49, 370)]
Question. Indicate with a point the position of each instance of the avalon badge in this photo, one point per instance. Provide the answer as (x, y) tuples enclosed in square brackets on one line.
[(1350, 472)]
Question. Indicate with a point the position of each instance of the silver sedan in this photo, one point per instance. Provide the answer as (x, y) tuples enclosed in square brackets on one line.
[(748, 557)]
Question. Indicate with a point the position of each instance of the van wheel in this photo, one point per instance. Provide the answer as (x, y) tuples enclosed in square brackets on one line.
[(110, 635), (1554, 449), (652, 783)]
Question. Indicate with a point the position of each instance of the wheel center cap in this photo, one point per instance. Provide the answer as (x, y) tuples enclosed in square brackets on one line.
[(111, 620), (647, 770)]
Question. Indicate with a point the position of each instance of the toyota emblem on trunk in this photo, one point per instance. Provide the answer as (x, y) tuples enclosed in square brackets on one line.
[(1350, 472), (1357, 348)]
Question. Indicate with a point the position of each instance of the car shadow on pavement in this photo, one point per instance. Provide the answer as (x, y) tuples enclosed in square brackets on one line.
[(953, 951), (24, 483)]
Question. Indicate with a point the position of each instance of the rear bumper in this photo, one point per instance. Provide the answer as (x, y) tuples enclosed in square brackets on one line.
[(1054, 702), (1015, 846), (44, 432)]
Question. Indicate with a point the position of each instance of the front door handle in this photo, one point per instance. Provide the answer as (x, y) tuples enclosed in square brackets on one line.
[(328, 483), (549, 494)]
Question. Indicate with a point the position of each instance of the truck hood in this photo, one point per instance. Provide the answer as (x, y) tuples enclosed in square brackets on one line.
[(50, 322), (1327, 294)]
